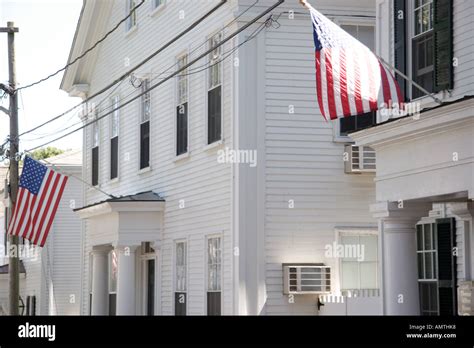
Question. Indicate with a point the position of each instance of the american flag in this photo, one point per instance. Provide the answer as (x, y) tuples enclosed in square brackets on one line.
[(350, 79), (39, 193)]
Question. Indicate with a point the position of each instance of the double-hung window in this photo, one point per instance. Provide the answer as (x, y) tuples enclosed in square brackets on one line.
[(95, 150), (182, 108), (132, 20), (181, 279), (113, 270), (358, 263), (114, 137), (214, 91), (214, 275), (423, 45), (145, 125)]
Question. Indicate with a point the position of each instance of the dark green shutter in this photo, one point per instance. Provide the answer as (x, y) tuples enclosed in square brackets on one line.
[(447, 277), (399, 21), (443, 44)]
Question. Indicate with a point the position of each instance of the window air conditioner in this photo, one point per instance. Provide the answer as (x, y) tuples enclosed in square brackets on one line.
[(360, 159), (301, 279)]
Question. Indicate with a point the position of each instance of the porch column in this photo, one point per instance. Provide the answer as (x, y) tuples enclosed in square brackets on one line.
[(126, 300), (397, 256), (100, 279)]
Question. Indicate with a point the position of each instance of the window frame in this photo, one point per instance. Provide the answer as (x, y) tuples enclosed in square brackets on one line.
[(146, 80), (359, 22), (410, 38), (208, 89), (206, 268), (358, 231), (175, 272), (144, 258), (132, 22), (177, 103), (156, 8)]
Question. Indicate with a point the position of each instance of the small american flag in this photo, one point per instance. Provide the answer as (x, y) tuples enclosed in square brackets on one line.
[(39, 193), (350, 78)]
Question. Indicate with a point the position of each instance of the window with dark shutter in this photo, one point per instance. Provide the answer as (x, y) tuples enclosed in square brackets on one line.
[(95, 166), (443, 44), (145, 145), (214, 115), (182, 129), (400, 41), (114, 158)]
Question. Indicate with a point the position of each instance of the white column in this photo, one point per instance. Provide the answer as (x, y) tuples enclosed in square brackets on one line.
[(397, 256), (100, 279), (126, 300)]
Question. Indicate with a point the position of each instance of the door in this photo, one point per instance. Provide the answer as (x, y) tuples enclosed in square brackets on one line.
[(437, 267)]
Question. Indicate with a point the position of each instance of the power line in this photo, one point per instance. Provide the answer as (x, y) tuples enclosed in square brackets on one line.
[(125, 75), (132, 12), (191, 72), (170, 76)]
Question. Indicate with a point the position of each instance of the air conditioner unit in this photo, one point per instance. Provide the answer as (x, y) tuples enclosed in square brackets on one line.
[(359, 159), (301, 279), (466, 298)]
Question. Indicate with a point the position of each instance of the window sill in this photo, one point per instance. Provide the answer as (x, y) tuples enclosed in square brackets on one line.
[(131, 30), (181, 157), (114, 181), (157, 10), (214, 145), (144, 170)]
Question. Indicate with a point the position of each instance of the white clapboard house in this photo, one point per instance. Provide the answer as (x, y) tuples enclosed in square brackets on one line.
[(424, 184), (188, 225), (50, 276)]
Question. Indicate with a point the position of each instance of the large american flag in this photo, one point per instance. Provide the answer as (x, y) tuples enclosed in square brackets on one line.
[(350, 78), (39, 194)]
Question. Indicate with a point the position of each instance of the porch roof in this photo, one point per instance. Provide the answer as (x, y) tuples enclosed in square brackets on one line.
[(148, 196)]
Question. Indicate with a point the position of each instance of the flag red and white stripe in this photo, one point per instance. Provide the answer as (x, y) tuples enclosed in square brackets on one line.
[(40, 191), (350, 79)]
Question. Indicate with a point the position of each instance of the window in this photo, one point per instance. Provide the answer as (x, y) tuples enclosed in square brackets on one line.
[(366, 35), (181, 276), (132, 20), (95, 150), (149, 270), (355, 123), (214, 94), (359, 261), (145, 125), (114, 138), (157, 3), (214, 275), (182, 108), (422, 46), (113, 269), (31, 305)]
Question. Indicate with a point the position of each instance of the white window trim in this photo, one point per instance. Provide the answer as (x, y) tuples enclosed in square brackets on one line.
[(366, 22), (156, 9), (133, 28), (144, 258), (357, 231), (175, 242), (119, 152), (140, 113), (206, 270), (185, 155), (208, 146)]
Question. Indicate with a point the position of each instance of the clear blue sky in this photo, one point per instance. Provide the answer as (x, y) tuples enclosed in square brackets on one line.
[(42, 46)]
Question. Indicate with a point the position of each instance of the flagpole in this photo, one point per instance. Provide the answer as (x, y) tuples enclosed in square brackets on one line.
[(306, 5)]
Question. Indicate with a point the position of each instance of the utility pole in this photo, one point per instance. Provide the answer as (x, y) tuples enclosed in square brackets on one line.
[(14, 260)]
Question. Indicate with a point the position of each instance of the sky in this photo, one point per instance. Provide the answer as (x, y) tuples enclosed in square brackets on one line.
[(47, 29)]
